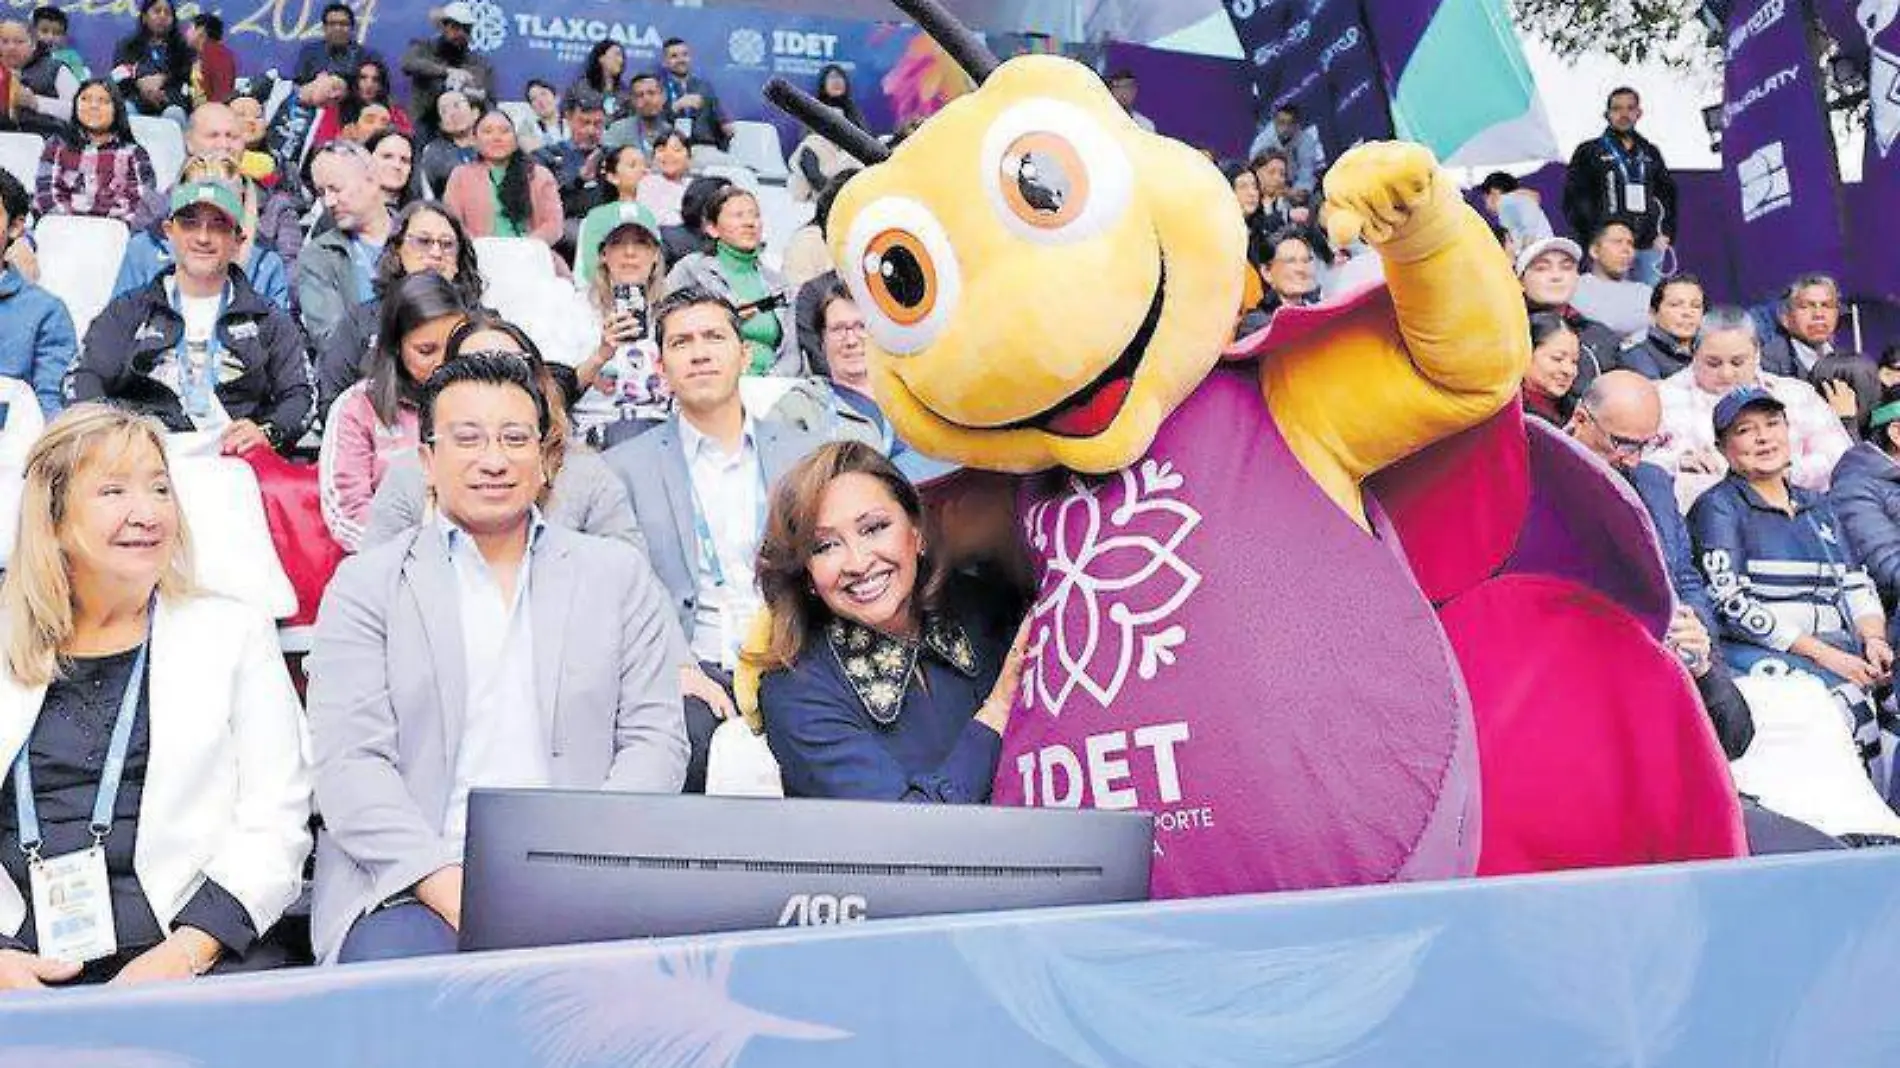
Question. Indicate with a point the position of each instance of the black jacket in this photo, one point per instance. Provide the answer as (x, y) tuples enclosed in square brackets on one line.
[(343, 358), (1866, 497), (264, 375), (1595, 189), (1657, 356)]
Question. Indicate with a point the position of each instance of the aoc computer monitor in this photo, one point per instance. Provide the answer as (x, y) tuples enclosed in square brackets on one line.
[(551, 867)]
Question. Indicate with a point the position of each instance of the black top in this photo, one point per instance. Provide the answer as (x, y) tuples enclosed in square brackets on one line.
[(67, 751)]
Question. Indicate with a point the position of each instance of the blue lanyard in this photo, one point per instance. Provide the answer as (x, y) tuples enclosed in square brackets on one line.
[(197, 387), (27, 808), (1631, 175), (702, 532)]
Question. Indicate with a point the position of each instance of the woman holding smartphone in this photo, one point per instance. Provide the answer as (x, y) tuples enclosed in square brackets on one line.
[(619, 381)]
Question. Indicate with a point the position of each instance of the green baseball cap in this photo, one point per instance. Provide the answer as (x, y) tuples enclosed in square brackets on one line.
[(216, 194), (609, 219)]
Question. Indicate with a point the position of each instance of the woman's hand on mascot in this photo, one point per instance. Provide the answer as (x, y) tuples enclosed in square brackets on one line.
[(995, 711)]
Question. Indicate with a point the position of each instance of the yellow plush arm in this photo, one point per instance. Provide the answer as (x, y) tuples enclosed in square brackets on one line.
[(1376, 390)]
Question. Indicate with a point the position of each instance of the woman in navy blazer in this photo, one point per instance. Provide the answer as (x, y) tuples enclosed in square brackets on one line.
[(882, 680)]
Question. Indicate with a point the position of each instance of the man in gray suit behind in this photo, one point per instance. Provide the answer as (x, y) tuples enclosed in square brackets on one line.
[(700, 485), (485, 648)]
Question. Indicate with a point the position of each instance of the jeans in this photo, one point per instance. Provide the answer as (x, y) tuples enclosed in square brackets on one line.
[(398, 932)]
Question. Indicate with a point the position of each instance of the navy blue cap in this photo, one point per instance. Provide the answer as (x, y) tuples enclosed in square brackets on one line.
[(1730, 407)]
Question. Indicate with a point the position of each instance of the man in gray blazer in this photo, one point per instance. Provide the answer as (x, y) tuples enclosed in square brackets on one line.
[(485, 648), (700, 485)]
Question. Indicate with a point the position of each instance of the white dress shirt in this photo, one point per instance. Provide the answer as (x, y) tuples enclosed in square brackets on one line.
[(504, 743), (729, 497)]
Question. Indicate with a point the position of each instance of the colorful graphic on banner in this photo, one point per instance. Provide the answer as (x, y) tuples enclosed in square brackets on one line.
[(738, 49), (1459, 81), (1316, 55), (1777, 148)]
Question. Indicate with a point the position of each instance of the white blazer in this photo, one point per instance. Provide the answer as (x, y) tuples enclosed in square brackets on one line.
[(227, 780)]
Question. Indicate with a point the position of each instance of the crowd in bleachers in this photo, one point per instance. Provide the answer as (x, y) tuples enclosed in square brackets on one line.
[(537, 362), (545, 399)]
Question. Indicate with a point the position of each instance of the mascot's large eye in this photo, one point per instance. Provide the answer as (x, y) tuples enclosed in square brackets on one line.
[(900, 268), (1054, 173), (901, 276), (1044, 181)]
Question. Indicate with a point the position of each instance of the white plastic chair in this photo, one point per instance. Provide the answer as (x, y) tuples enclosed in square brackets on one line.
[(165, 143), (17, 435), (520, 283), (756, 145), (781, 216), (232, 550), (79, 262), (731, 172), (20, 156), (518, 112)]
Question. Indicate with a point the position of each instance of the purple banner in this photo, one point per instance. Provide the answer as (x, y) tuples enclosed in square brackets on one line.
[(1316, 55), (1877, 229), (1203, 100), (1777, 149)]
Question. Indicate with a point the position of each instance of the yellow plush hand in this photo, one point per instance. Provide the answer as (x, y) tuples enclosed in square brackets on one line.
[(752, 666), (1378, 191)]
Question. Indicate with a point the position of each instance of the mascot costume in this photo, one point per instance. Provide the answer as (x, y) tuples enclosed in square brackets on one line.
[(1320, 601)]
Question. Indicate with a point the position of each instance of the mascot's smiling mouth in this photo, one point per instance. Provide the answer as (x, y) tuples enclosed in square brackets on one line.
[(1089, 411)]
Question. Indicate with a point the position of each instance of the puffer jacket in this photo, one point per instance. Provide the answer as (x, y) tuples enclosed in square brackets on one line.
[(1866, 497)]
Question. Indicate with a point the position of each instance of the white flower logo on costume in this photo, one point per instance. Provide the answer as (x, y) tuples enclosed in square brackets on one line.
[(1114, 575)]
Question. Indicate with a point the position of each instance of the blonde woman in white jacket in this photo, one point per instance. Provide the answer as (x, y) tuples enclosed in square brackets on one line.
[(156, 794)]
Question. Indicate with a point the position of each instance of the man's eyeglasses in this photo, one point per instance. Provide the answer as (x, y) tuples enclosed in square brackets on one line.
[(447, 245), (1620, 445), (515, 440), (842, 331)]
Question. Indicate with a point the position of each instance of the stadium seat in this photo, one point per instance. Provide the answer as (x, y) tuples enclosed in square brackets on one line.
[(20, 156), (781, 215), (79, 262), (731, 172), (19, 428), (164, 142), (518, 112), (756, 145), (522, 285), (232, 548)]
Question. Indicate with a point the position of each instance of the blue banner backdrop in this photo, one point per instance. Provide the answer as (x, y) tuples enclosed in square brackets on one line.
[(1777, 149), (896, 73), (1781, 961), (1318, 56)]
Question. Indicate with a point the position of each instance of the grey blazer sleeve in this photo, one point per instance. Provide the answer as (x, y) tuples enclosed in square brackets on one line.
[(650, 745), (367, 808), (397, 506), (599, 504)]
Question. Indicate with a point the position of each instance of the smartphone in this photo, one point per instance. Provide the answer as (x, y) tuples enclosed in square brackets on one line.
[(631, 301)]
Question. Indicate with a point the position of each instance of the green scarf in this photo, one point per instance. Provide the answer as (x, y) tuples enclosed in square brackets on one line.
[(762, 332)]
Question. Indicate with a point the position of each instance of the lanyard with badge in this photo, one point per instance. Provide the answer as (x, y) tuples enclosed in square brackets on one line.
[(198, 360), (1635, 174), (72, 899), (732, 626)]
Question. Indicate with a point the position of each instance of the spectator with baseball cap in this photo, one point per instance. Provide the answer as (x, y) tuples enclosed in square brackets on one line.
[(198, 348), (446, 61), (1548, 271), (1787, 584)]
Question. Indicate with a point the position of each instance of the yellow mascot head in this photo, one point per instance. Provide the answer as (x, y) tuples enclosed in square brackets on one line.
[(1044, 282)]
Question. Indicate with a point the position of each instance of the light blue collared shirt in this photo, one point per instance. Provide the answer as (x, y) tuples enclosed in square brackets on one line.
[(503, 743), (731, 489)]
